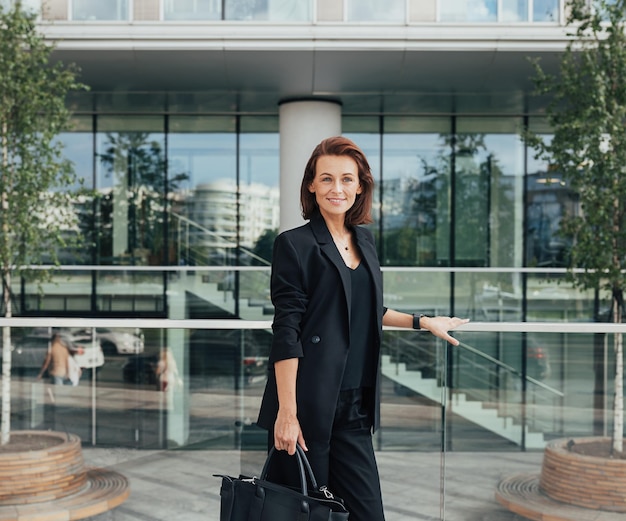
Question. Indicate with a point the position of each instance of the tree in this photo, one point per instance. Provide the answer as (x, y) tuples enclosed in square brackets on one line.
[(35, 203), (587, 113)]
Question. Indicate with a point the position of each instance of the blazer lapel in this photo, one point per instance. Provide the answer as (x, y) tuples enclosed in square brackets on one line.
[(327, 245)]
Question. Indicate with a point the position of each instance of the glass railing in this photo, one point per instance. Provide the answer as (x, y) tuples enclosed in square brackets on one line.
[(513, 386), (448, 414)]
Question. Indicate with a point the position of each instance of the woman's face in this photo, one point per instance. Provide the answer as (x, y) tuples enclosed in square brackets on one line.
[(336, 184)]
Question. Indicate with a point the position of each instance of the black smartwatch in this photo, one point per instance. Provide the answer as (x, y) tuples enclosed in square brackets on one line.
[(416, 320)]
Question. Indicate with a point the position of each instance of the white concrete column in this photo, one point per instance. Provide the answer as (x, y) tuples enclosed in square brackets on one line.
[(303, 124)]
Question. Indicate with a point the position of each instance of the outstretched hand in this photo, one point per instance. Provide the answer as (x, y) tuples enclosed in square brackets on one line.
[(439, 326)]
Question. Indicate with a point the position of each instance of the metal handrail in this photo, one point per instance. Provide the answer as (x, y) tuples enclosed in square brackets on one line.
[(509, 368), (231, 244)]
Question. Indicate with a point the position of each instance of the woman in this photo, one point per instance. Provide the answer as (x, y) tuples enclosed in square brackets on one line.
[(326, 287)]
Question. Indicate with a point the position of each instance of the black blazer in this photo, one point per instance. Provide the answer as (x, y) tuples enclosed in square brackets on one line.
[(311, 293)]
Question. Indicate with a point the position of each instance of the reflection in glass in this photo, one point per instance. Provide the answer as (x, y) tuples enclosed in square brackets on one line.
[(131, 174), (376, 10), (272, 10), (99, 10), (27, 5), (548, 198), (78, 149), (416, 172), (514, 11), (203, 219), (468, 10), (192, 9), (488, 173), (546, 10), (259, 173)]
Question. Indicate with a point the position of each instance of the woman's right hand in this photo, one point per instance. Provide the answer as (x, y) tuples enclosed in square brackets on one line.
[(287, 433)]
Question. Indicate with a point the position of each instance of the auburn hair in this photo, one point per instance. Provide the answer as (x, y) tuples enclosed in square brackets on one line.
[(361, 211)]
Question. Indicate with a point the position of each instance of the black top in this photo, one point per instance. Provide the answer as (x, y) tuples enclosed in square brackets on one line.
[(360, 368)]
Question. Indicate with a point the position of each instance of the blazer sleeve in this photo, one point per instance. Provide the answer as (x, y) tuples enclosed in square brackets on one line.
[(290, 300)]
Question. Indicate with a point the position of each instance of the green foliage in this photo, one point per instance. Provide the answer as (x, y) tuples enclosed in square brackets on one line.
[(588, 116), (36, 214)]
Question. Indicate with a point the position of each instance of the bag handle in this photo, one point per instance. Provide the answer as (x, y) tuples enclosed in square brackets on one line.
[(304, 468)]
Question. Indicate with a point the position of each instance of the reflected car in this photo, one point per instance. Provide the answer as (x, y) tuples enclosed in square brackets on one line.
[(29, 351), (120, 341), (140, 369), (219, 352)]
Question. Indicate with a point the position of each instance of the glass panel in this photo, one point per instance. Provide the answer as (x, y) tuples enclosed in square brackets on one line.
[(98, 10), (416, 173), (550, 298), (376, 10), (130, 180), (78, 148), (259, 196), (192, 10), (546, 11), (120, 102), (548, 198), (468, 10), (271, 10), (489, 166), (246, 10), (27, 5), (514, 11), (203, 218)]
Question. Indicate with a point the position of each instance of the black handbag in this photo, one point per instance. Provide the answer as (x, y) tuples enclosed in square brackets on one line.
[(256, 499)]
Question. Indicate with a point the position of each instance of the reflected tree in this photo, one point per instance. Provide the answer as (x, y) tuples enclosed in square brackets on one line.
[(133, 211)]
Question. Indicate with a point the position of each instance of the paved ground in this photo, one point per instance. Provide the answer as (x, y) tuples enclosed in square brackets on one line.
[(167, 485)]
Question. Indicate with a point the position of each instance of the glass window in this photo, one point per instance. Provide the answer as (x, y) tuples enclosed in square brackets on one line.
[(203, 217), (546, 11), (259, 205), (192, 10), (99, 10), (468, 10), (514, 11), (376, 10), (27, 5), (130, 182), (488, 216), (489, 166), (416, 184), (78, 149)]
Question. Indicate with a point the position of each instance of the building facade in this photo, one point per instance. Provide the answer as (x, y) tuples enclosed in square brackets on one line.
[(194, 134)]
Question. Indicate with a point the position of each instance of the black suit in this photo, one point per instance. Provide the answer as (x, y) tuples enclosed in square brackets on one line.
[(311, 293), (312, 297)]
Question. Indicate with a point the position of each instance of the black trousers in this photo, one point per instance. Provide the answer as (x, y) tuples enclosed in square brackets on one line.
[(346, 463)]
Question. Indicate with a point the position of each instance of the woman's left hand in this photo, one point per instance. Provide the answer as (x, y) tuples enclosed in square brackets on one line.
[(439, 326)]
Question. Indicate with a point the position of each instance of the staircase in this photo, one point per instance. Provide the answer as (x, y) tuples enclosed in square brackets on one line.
[(477, 412)]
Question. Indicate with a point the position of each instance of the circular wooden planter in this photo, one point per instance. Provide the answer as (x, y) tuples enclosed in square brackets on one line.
[(43, 476), (55, 471), (593, 482)]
